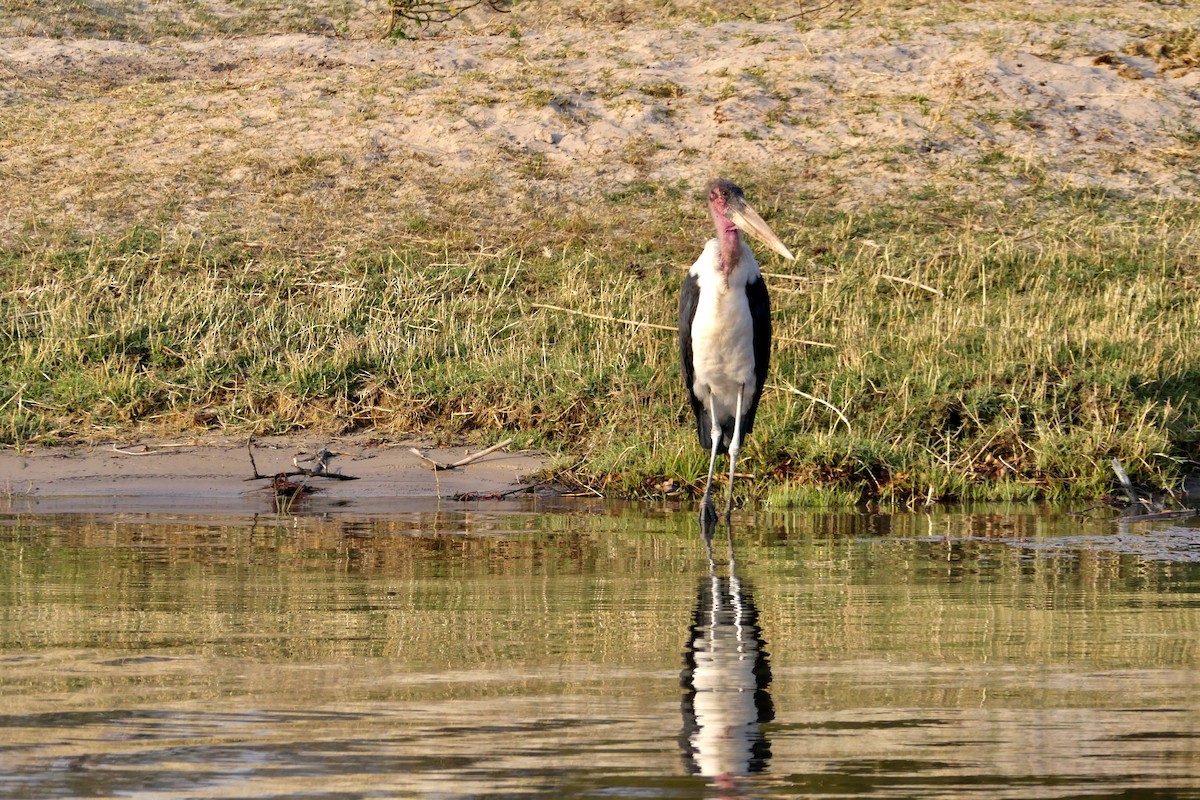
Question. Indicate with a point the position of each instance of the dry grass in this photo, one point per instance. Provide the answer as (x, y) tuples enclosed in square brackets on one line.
[(1036, 360)]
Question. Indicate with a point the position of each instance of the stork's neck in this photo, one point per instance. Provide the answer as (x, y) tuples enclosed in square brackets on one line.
[(729, 241)]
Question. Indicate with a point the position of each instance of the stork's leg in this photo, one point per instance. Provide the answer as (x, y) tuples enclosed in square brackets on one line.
[(708, 514), (735, 447)]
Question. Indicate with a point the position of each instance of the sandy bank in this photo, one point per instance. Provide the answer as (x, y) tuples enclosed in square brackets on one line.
[(208, 474)]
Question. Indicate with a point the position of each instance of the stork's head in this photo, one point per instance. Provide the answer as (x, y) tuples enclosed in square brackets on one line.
[(731, 213)]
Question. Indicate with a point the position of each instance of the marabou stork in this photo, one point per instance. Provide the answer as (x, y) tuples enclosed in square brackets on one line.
[(725, 334)]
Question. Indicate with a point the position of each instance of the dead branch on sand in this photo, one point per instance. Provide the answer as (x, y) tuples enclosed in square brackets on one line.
[(462, 462), (147, 449), (319, 470)]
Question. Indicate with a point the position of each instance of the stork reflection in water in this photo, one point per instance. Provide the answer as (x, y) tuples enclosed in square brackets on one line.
[(725, 334), (726, 680)]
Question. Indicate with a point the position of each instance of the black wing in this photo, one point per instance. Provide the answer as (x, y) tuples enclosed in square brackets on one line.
[(760, 316), (689, 297)]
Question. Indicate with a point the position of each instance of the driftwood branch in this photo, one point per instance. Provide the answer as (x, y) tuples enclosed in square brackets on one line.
[(1159, 516), (1142, 506), (1126, 484), (462, 462), (250, 452), (320, 470), (498, 495)]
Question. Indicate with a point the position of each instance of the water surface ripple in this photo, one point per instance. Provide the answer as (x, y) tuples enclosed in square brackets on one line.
[(551, 649)]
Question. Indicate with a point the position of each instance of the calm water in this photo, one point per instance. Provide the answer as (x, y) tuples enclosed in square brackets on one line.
[(556, 650)]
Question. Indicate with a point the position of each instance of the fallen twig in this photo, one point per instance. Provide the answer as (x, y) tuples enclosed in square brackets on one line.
[(587, 491), (462, 462), (909, 282), (250, 452), (321, 461), (497, 495), (604, 318), (657, 327), (807, 396), (151, 449), (809, 342)]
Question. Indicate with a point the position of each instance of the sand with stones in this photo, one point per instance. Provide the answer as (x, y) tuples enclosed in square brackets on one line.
[(212, 133)]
